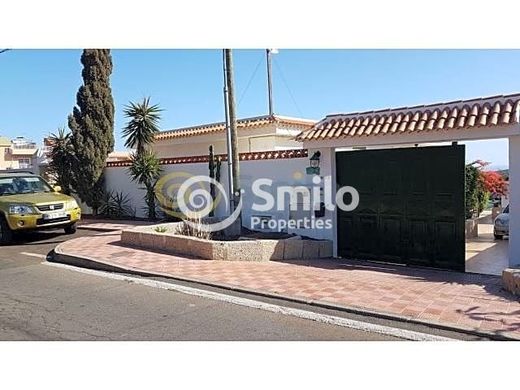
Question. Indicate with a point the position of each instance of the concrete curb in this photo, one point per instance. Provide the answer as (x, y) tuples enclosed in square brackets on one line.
[(98, 229), (61, 256)]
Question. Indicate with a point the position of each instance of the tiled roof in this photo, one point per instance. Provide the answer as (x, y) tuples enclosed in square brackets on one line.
[(462, 114), (267, 155), (241, 124)]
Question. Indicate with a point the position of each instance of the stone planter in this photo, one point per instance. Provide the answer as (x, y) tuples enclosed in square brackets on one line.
[(511, 280), (240, 250)]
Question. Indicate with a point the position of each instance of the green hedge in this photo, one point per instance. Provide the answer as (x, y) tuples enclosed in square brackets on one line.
[(476, 194)]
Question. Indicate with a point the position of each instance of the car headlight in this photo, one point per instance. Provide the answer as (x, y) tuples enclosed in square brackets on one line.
[(21, 209)]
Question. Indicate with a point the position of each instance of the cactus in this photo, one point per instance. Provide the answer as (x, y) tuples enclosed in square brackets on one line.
[(215, 163), (211, 162), (212, 175), (218, 164)]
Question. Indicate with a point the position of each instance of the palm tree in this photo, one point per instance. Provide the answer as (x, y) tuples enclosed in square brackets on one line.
[(139, 132), (143, 124), (61, 155), (146, 170)]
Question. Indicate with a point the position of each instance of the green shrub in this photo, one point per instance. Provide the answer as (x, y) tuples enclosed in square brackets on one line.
[(160, 229), (475, 192), (115, 205)]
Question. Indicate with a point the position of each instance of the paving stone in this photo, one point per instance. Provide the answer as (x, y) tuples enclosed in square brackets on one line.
[(457, 299)]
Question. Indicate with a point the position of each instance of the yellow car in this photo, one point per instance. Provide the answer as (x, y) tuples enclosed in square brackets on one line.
[(27, 202)]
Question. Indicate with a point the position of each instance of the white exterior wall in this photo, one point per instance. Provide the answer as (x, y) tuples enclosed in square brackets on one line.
[(280, 171), (514, 201), (327, 168), (117, 179), (283, 172)]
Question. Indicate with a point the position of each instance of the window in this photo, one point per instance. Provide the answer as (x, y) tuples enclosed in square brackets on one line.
[(23, 185), (24, 163)]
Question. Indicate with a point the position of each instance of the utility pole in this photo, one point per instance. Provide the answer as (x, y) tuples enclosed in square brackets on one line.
[(228, 135), (269, 81), (233, 137)]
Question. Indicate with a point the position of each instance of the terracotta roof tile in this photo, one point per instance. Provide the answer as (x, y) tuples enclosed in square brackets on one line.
[(248, 156), (241, 124), (492, 111)]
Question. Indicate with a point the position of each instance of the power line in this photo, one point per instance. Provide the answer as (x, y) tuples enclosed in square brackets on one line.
[(250, 80), (287, 86)]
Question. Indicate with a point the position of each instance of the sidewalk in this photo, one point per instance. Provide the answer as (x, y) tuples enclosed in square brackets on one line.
[(463, 301)]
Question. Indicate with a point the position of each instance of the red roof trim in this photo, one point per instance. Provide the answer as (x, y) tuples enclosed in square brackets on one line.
[(252, 156)]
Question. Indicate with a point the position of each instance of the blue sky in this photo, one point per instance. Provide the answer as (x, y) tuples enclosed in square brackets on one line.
[(38, 87)]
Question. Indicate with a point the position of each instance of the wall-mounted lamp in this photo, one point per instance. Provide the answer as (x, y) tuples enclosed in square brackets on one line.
[(314, 162)]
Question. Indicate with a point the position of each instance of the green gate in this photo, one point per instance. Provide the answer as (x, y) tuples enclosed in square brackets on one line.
[(411, 208)]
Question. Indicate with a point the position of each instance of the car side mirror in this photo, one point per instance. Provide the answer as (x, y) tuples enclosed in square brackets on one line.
[(57, 188)]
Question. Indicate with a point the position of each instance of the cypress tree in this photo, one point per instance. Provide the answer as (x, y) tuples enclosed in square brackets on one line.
[(92, 125)]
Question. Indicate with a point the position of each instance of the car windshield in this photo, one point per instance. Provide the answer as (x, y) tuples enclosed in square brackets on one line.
[(22, 185), (506, 210)]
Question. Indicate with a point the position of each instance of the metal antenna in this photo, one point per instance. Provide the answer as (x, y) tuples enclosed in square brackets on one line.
[(269, 81)]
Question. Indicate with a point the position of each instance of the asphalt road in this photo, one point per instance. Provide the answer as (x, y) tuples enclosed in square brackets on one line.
[(42, 302)]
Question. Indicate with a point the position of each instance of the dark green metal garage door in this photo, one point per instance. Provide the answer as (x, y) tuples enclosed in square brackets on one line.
[(411, 207)]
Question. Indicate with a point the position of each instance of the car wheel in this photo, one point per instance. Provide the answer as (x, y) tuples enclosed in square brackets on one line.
[(6, 234), (70, 229), (498, 237)]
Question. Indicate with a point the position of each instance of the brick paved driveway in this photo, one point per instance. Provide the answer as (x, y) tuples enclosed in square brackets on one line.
[(109, 225), (457, 299)]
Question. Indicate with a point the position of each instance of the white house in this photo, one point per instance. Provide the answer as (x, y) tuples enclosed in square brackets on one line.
[(267, 147), (18, 153), (262, 133), (406, 164)]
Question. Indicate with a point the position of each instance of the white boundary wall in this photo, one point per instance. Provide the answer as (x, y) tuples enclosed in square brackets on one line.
[(283, 172)]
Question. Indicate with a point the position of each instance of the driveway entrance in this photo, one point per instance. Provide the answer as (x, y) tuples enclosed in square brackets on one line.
[(411, 207), (484, 254)]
